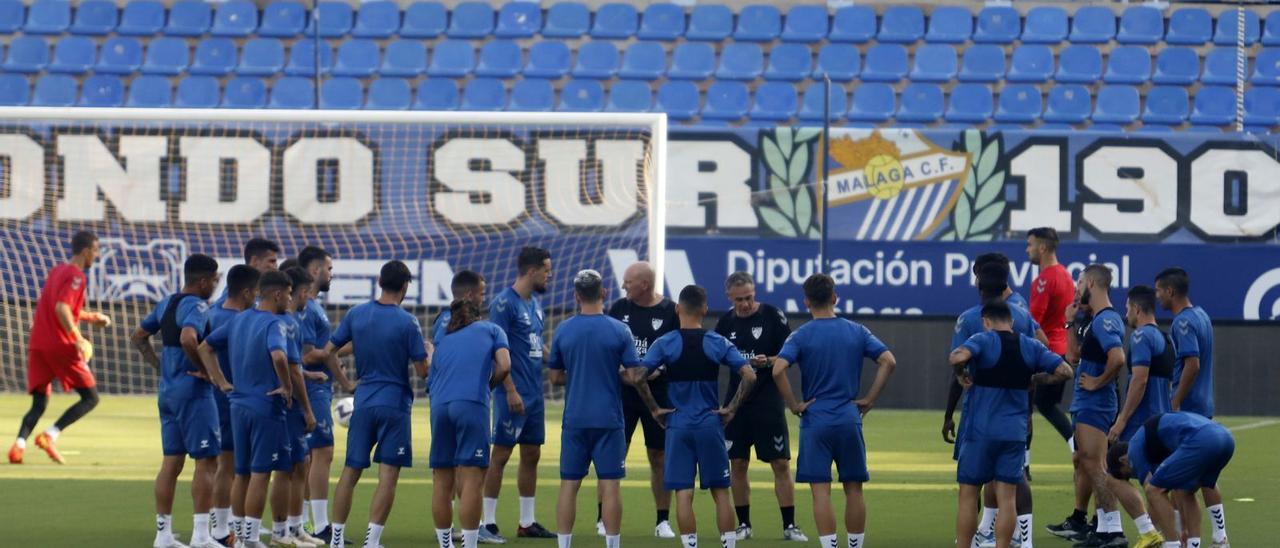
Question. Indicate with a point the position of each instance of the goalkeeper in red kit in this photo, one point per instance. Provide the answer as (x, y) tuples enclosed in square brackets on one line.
[(57, 350)]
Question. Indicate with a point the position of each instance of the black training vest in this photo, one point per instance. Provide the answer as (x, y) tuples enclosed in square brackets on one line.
[(693, 364), (1010, 370), (170, 331), (1156, 450), (1162, 365), (1090, 347)]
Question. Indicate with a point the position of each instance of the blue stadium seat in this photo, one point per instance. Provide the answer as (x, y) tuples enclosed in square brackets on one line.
[(471, 20), (813, 103), (680, 100), (55, 90), (141, 18), (389, 94), (1068, 104), (1203, 129), (261, 57), (643, 61), (789, 62), (166, 56), (710, 22), (840, 62), (581, 96), (775, 101), (970, 103), (377, 20), (1128, 65), (335, 20), (442, 94), (293, 92), (997, 25), (1189, 27), (615, 21), (1219, 67), (409, 58), (1266, 67), (498, 58), (690, 61), (1093, 25), (901, 24), (1154, 128), (1224, 34), (484, 94), (15, 90), (12, 16), (1271, 29), (856, 24), (1031, 63), (102, 91), (1019, 104), (1079, 64), (27, 54), (518, 20), (597, 60), (885, 63), (548, 59), (1177, 65), (934, 63), (214, 56), (341, 94), (872, 103), (1166, 105), (1117, 105), (188, 19), (47, 17), (982, 63), (359, 58), (567, 20), (119, 55), (1045, 25), (237, 18), (629, 96), (726, 101), (950, 25), (302, 58), (95, 18), (204, 92), (452, 58), (532, 94), (150, 92), (1141, 25), (284, 19), (73, 55), (1214, 106), (921, 103), (805, 23), (740, 61), (758, 23), (425, 20), (1262, 108)]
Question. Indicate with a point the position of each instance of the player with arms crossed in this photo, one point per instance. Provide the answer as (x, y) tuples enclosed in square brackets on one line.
[(57, 349), (386, 339), (829, 352), (188, 414), (758, 330)]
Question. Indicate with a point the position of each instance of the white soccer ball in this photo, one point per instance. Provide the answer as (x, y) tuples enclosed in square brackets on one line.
[(342, 410)]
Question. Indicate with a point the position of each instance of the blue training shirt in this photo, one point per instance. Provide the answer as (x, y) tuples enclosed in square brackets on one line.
[(1000, 414), (1016, 299), (969, 323), (315, 332), (693, 381), (463, 363), (1174, 428), (218, 317), (589, 348), (1107, 330), (829, 353), (1145, 344), (521, 320), (174, 364), (441, 325), (386, 338), (1192, 335), (250, 338)]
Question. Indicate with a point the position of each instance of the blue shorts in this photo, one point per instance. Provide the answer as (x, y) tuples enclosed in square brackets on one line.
[(296, 426), (189, 427), (982, 461), (223, 404), (1102, 420), (1197, 462), (605, 447), (388, 429), (321, 407), (699, 451), (821, 446), (510, 430), (459, 435), (258, 441)]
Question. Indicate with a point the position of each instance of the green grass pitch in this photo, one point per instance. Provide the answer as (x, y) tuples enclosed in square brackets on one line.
[(103, 496)]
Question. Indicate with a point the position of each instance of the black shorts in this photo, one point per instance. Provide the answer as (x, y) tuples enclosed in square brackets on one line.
[(634, 412), (765, 428)]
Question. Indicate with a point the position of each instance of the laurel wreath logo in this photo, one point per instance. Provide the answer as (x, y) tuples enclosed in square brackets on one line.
[(787, 156), (981, 206)]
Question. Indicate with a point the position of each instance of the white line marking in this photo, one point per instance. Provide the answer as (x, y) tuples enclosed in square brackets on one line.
[(1252, 425)]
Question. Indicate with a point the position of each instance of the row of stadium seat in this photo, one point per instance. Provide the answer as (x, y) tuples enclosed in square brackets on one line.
[(658, 21), (640, 61), (724, 101)]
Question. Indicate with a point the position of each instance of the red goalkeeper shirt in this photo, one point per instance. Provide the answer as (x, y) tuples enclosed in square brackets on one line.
[(65, 284), (1051, 294)]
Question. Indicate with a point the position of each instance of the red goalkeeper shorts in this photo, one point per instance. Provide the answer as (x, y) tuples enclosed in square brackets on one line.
[(43, 366)]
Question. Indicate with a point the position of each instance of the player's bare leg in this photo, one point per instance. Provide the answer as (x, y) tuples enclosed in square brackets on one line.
[(223, 476), (202, 501), (255, 502), (165, 486), (443, 488), (1006, 515), (966, 515), (318, 487), (468, 480), (1186, 503), (1162, 512), (855, 513), (567, 509), (380, 507), (1217, 515), (342, 502), (824, 517), (724, 515), (281, 502), (1091, 447), (493, 480), (298, 502)]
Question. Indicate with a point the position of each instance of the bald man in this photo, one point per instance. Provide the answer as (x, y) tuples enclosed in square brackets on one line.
[(648, 315)]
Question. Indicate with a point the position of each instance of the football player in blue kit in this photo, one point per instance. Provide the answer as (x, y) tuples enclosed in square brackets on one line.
[(466, 284), (260, 254), (286, 528)]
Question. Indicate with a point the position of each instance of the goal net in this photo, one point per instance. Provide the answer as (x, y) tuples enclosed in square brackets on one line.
[(441, 191)]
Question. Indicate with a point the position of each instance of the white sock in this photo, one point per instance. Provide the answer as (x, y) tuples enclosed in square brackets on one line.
[(1101, 526), (221, 522), (729, 540), (988, 522), (295, 525), (1172, 544), (373, 537), (1113, 524), (526, 512), (252, 529), (54, 432), (319, 514), (444, 537), (469, 538), (1193, 542), (278, 529), (856, 540), (1071, 444), (1218, 518), (689, 541), (336, 539), (613, 541), (490, 514), (1177, 520), (564, 541), (1144, 524), (200, 528), (827, 541), (164, 526), (237, 528), (21, 443), (1024, 527)]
